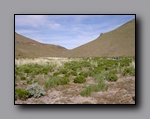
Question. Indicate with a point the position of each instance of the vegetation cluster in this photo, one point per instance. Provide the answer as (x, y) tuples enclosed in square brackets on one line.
[(33, 80)]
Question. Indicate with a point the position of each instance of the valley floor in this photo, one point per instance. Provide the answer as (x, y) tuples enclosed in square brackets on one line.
[(121, 91)]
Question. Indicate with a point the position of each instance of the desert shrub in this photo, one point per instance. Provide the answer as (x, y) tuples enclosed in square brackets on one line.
[(21, 94), (67, 75), (100, 80), (63, 81), (33, 69), (91, 73), (35, 81), (22, 77), (114, 71), (29, 81), (84, 74), (54, 81), (117, 69), (63, 71), (106, 75), (102, 86), (98, 70), (35, 90), (67, 65), (101, 76), (91, 68), (74, 68), (44, 71), (112, 76), (79, 79), (86, 91), (32, 75), (36, 72), (94, 63), (125, 62), (27, 70), (86, 64), (56, 73), (128, 71), (93, 88), (73, 73), (78, 69)]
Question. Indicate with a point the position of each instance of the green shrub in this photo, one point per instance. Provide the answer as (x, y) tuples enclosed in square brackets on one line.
[(100, 80), (101, 76), (44, 71), (67, 75), (21, 94), (29, 81), (54, 81), (27, 70), (86, 64), (118, 69), (63, 81), (79, 79), (129, 71), (63, 71), (78, 69), (35, 90), (84, 74), (112, 77), (102, 86), (22, 77), (86, 91), (73, 73), (124, 63), (93, 88), (91, 73), (56, 73), (106, 75), (74, 68)]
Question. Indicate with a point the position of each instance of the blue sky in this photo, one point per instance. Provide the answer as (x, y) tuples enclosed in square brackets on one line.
[(69, 31)]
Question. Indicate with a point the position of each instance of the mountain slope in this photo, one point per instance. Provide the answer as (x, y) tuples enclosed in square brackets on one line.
[(119, 42), (28, 48)]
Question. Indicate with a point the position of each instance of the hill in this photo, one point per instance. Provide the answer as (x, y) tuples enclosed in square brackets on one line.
[(29, 48), (118, 42)]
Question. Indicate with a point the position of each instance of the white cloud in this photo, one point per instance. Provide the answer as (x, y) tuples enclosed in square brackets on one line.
[(54, 25), (29, 20), (35, 21), (26, 31)]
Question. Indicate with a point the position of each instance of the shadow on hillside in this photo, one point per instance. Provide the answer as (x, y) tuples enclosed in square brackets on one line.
[(84, 107)]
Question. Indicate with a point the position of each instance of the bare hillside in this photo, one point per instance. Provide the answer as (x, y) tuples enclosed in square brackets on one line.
[(119, 42), (28, 48)]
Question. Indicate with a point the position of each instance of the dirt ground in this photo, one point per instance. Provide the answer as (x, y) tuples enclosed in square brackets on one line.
[(120, 92)]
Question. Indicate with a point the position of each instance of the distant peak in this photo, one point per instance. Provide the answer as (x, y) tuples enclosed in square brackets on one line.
[(101, 34)]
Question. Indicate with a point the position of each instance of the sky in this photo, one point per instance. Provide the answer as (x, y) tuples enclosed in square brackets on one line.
[(69, 31)]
